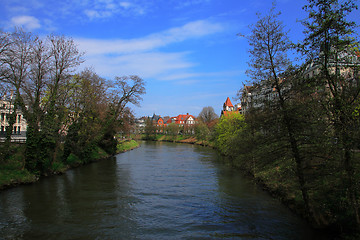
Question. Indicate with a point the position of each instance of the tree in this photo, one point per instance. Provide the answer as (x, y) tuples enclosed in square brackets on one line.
[(202, 132), (150, 129), (86, 113), (329, 44), (125, 90), (228, 130), (172, 129), (268, 61), (15, 62), (207, 115)]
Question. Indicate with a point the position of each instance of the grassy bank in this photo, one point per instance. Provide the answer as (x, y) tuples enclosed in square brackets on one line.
[(13, 172), (126, 145), (190, 139)]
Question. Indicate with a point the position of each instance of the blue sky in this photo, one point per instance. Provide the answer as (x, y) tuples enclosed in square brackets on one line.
[(187, 51)]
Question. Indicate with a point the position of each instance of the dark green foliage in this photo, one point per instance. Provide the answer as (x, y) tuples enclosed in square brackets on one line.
[(71, 141), (108, 142)]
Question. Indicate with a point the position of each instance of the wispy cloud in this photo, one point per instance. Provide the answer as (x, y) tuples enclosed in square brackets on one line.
[(27, 22), (146, 65), (189, 3), (143, 56), (108, 8), (182, 76), (190, 30)]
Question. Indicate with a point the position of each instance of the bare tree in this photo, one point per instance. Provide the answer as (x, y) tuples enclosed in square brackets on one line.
[(64, 58), (127, 89), (207, 115), (15, 63)]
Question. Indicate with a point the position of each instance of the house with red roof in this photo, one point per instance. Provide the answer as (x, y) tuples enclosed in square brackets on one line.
[(228, 108), (183, 120)]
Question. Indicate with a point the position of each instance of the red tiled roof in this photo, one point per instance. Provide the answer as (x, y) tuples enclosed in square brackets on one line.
[(228, 102), (229, 113), (180, 119)]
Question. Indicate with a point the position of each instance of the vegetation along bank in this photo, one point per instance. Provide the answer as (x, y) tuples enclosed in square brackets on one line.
[(13, 173)]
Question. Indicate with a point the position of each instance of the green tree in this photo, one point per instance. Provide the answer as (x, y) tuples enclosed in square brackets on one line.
[(202, 132), (172, 130), (227, 131), (150, 129)]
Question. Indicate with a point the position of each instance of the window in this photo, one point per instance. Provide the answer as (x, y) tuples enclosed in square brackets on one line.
[(14, 132), (2, 129), (19, 128)]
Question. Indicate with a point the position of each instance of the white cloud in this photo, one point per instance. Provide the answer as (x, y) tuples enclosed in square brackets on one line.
[(100, 9), (27, 22), (125, 5)]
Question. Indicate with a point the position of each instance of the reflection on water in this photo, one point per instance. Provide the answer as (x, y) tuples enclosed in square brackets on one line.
[(158, 191)]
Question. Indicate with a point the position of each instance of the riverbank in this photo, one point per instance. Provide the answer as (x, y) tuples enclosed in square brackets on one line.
[(13, 172), (180, 139)]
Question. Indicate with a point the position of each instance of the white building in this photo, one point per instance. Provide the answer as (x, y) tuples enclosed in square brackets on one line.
[(19, 127)]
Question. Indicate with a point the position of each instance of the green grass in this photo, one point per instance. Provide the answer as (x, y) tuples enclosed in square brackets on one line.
[(10, 177), (12, 171), (126, 145)]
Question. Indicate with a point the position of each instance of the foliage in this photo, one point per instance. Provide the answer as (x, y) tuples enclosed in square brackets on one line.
[(329, 42), (150, 130), (229, 128), (202, 132)]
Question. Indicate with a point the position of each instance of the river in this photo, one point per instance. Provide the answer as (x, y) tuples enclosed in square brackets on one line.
[(158, 191)]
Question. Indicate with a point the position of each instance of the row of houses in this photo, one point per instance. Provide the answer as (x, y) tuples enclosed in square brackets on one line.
[(158, 121)]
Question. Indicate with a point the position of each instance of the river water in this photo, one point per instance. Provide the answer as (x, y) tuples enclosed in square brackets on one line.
[(157, 191)]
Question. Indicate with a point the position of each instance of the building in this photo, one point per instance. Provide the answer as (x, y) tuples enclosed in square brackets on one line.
[(346, 66), (19, 127), (157, 120), (228, 107), (256, 96), (183, 120)]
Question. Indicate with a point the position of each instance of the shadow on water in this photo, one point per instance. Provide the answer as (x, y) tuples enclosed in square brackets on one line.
[(158, 191)]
